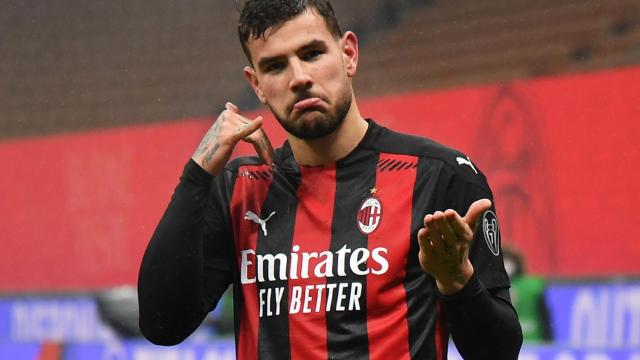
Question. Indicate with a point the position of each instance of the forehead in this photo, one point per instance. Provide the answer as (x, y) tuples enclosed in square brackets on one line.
[(289, 36)]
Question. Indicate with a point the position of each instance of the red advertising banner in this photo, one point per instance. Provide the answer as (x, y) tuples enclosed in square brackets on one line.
[(78, 209)]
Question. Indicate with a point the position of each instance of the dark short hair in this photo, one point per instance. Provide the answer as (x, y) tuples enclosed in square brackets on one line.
[(259, 15)]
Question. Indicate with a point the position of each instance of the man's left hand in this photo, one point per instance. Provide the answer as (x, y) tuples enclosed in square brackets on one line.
[(444, 246)]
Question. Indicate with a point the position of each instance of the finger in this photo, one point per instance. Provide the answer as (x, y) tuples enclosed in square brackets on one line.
[(263, 147), (231, 107), (445, 228), (475, 210), (426, 253), (449, 237), (457, 224), (425, 241), (435, 235), (423, 237), (247, 128)]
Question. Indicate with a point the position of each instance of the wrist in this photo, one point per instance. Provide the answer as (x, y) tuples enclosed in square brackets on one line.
[(196, 173), (211, 169), (451, 285)]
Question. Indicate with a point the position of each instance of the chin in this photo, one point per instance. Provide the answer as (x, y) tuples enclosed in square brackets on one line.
[(312, 125), (311, 118)]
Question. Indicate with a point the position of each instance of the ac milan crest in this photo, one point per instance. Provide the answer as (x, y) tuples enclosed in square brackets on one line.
[(369, 215)]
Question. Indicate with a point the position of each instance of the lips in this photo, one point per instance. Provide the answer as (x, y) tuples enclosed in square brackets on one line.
[(307, 104)]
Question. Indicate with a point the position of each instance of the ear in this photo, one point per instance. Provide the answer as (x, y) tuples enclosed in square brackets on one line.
[(252, 78), (350, 53)]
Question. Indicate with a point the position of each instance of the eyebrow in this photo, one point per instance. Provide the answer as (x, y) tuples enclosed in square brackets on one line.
[(264, 62)]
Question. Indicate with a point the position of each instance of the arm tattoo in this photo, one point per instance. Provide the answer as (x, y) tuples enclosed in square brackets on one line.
[(209, 156), (209, 137), (265, 143)]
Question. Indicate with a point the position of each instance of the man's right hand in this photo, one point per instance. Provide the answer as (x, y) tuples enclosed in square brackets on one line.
[(231, 127)]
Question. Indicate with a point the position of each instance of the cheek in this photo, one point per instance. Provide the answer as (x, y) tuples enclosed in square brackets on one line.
[(274, 91), (331, 78), (336, 72)]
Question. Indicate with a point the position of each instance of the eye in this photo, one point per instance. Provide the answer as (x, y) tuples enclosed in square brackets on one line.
[(274, 67), (311, 55)]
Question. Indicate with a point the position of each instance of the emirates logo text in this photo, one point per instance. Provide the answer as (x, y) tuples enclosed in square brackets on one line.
[(325, 296)]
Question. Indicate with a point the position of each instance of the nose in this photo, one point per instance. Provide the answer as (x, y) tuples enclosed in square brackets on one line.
[(300, 77)]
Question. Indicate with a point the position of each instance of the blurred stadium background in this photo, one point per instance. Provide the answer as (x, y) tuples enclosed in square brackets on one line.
[(102, 102)]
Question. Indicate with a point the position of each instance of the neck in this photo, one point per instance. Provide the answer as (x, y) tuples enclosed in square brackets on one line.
[(333, 147)]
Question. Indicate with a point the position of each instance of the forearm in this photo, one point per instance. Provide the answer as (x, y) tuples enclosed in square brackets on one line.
[(171, 279), (483, 326)]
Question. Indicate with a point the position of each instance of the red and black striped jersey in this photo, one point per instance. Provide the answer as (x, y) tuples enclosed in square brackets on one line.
[(324, 260)]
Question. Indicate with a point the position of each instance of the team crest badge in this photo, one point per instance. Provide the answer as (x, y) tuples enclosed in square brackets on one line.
[(369, 215), (491, 232)]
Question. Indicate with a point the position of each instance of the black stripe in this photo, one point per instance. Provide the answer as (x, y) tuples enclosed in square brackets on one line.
[(406, 166), (347, 336), (383, 162), (273, 332), (392, 162), (396, 165), (238, 298), (421, 299), (263, 175)]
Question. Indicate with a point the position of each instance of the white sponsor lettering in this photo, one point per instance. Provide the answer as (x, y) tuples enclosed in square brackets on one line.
[(266, 302), (310, 298), (341, 297), (270, 260), (377, 257), (244, 266), (358, 258), (272, 267)]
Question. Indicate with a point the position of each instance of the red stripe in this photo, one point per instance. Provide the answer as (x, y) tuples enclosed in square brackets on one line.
[(442, 333), (248, 195), (386, 297), (308, 330), (365, 216)]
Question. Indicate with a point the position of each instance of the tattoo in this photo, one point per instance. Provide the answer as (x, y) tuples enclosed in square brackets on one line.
[(241, 128), (209, 156), (209, 137)]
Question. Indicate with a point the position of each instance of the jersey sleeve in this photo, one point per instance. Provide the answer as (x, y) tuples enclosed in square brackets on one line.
[(217, 241), (186, 267), (466, 187)]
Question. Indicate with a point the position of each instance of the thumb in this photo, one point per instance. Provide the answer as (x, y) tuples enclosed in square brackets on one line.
[(231, 107), (477, 208)]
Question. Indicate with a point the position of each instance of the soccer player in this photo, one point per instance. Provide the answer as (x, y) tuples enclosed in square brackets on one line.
[(350, 241)]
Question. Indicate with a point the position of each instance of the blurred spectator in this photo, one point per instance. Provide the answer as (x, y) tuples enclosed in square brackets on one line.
[(527, 297)]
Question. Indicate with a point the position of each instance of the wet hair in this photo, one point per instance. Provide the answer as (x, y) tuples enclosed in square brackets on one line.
[(259, 15)]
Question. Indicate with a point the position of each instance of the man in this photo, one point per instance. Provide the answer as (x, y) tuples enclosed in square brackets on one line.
[(347, 242)]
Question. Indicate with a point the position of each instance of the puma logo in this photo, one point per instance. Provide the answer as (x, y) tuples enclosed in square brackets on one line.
[(467, 161), (256, 219)]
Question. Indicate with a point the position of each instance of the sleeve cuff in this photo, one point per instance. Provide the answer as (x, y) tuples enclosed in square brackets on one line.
[(471, 289), (195, 173)]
